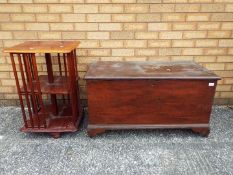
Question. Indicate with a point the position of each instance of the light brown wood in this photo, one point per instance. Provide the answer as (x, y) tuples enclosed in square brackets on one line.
[(43, 47)]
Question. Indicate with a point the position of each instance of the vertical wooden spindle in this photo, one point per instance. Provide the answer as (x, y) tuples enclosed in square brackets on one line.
[(27, 71), (49, 67), (30, 63), (33, 78), (75, 62), (38, 86), (32, 88), (51, 80), (19, 91), (59, 63), (65, 67), (73, 92), (60, 70), (25, 89), (77, 79)]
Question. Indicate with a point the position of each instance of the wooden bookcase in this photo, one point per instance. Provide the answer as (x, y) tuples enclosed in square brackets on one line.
[(50, 102)]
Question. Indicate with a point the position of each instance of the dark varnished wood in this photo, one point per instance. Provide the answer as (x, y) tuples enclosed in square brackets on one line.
[(202, 131), (146, 126), (95, 132), (59, 86), (51, 79), (40, 104), (18, 88), (25, 88), (146, 101), (108, 70), (55, 135), (53, 118), (173, 102)]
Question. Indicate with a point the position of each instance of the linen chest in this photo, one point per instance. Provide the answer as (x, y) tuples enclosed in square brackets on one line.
[(140, 95)]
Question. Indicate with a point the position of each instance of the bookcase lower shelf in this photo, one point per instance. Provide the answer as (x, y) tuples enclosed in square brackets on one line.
[(53, 124)]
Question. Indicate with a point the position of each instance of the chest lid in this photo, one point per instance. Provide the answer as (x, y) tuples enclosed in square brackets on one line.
[(148, 70)]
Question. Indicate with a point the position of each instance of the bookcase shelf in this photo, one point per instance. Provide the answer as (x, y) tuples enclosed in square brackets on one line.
[(59, 86)]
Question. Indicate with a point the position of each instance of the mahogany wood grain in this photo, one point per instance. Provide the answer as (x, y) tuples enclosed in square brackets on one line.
[(95, 132), (129, 103), (55, 135), (202, 131), (18, 88), (54, 118), (32, 87), (149, 101), (60, 72), (38, 87), (109, 70), (25, 89), (65, 66), (51, 79), (59, 86)]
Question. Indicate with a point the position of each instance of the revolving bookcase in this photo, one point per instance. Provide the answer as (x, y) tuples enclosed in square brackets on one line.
[(50, 102)]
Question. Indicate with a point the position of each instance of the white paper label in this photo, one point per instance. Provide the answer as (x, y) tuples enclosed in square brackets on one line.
[(211, 84)]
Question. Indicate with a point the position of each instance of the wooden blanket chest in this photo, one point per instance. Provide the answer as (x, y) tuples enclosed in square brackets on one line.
[(139, 95)]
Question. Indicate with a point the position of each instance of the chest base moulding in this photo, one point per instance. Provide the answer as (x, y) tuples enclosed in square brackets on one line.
[(149, 95), (50, 100)]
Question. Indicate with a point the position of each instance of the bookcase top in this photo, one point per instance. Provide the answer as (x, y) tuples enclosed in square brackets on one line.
[(43, 47)]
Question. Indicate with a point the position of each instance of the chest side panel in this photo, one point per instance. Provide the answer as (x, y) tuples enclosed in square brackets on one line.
[(149, 101)]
